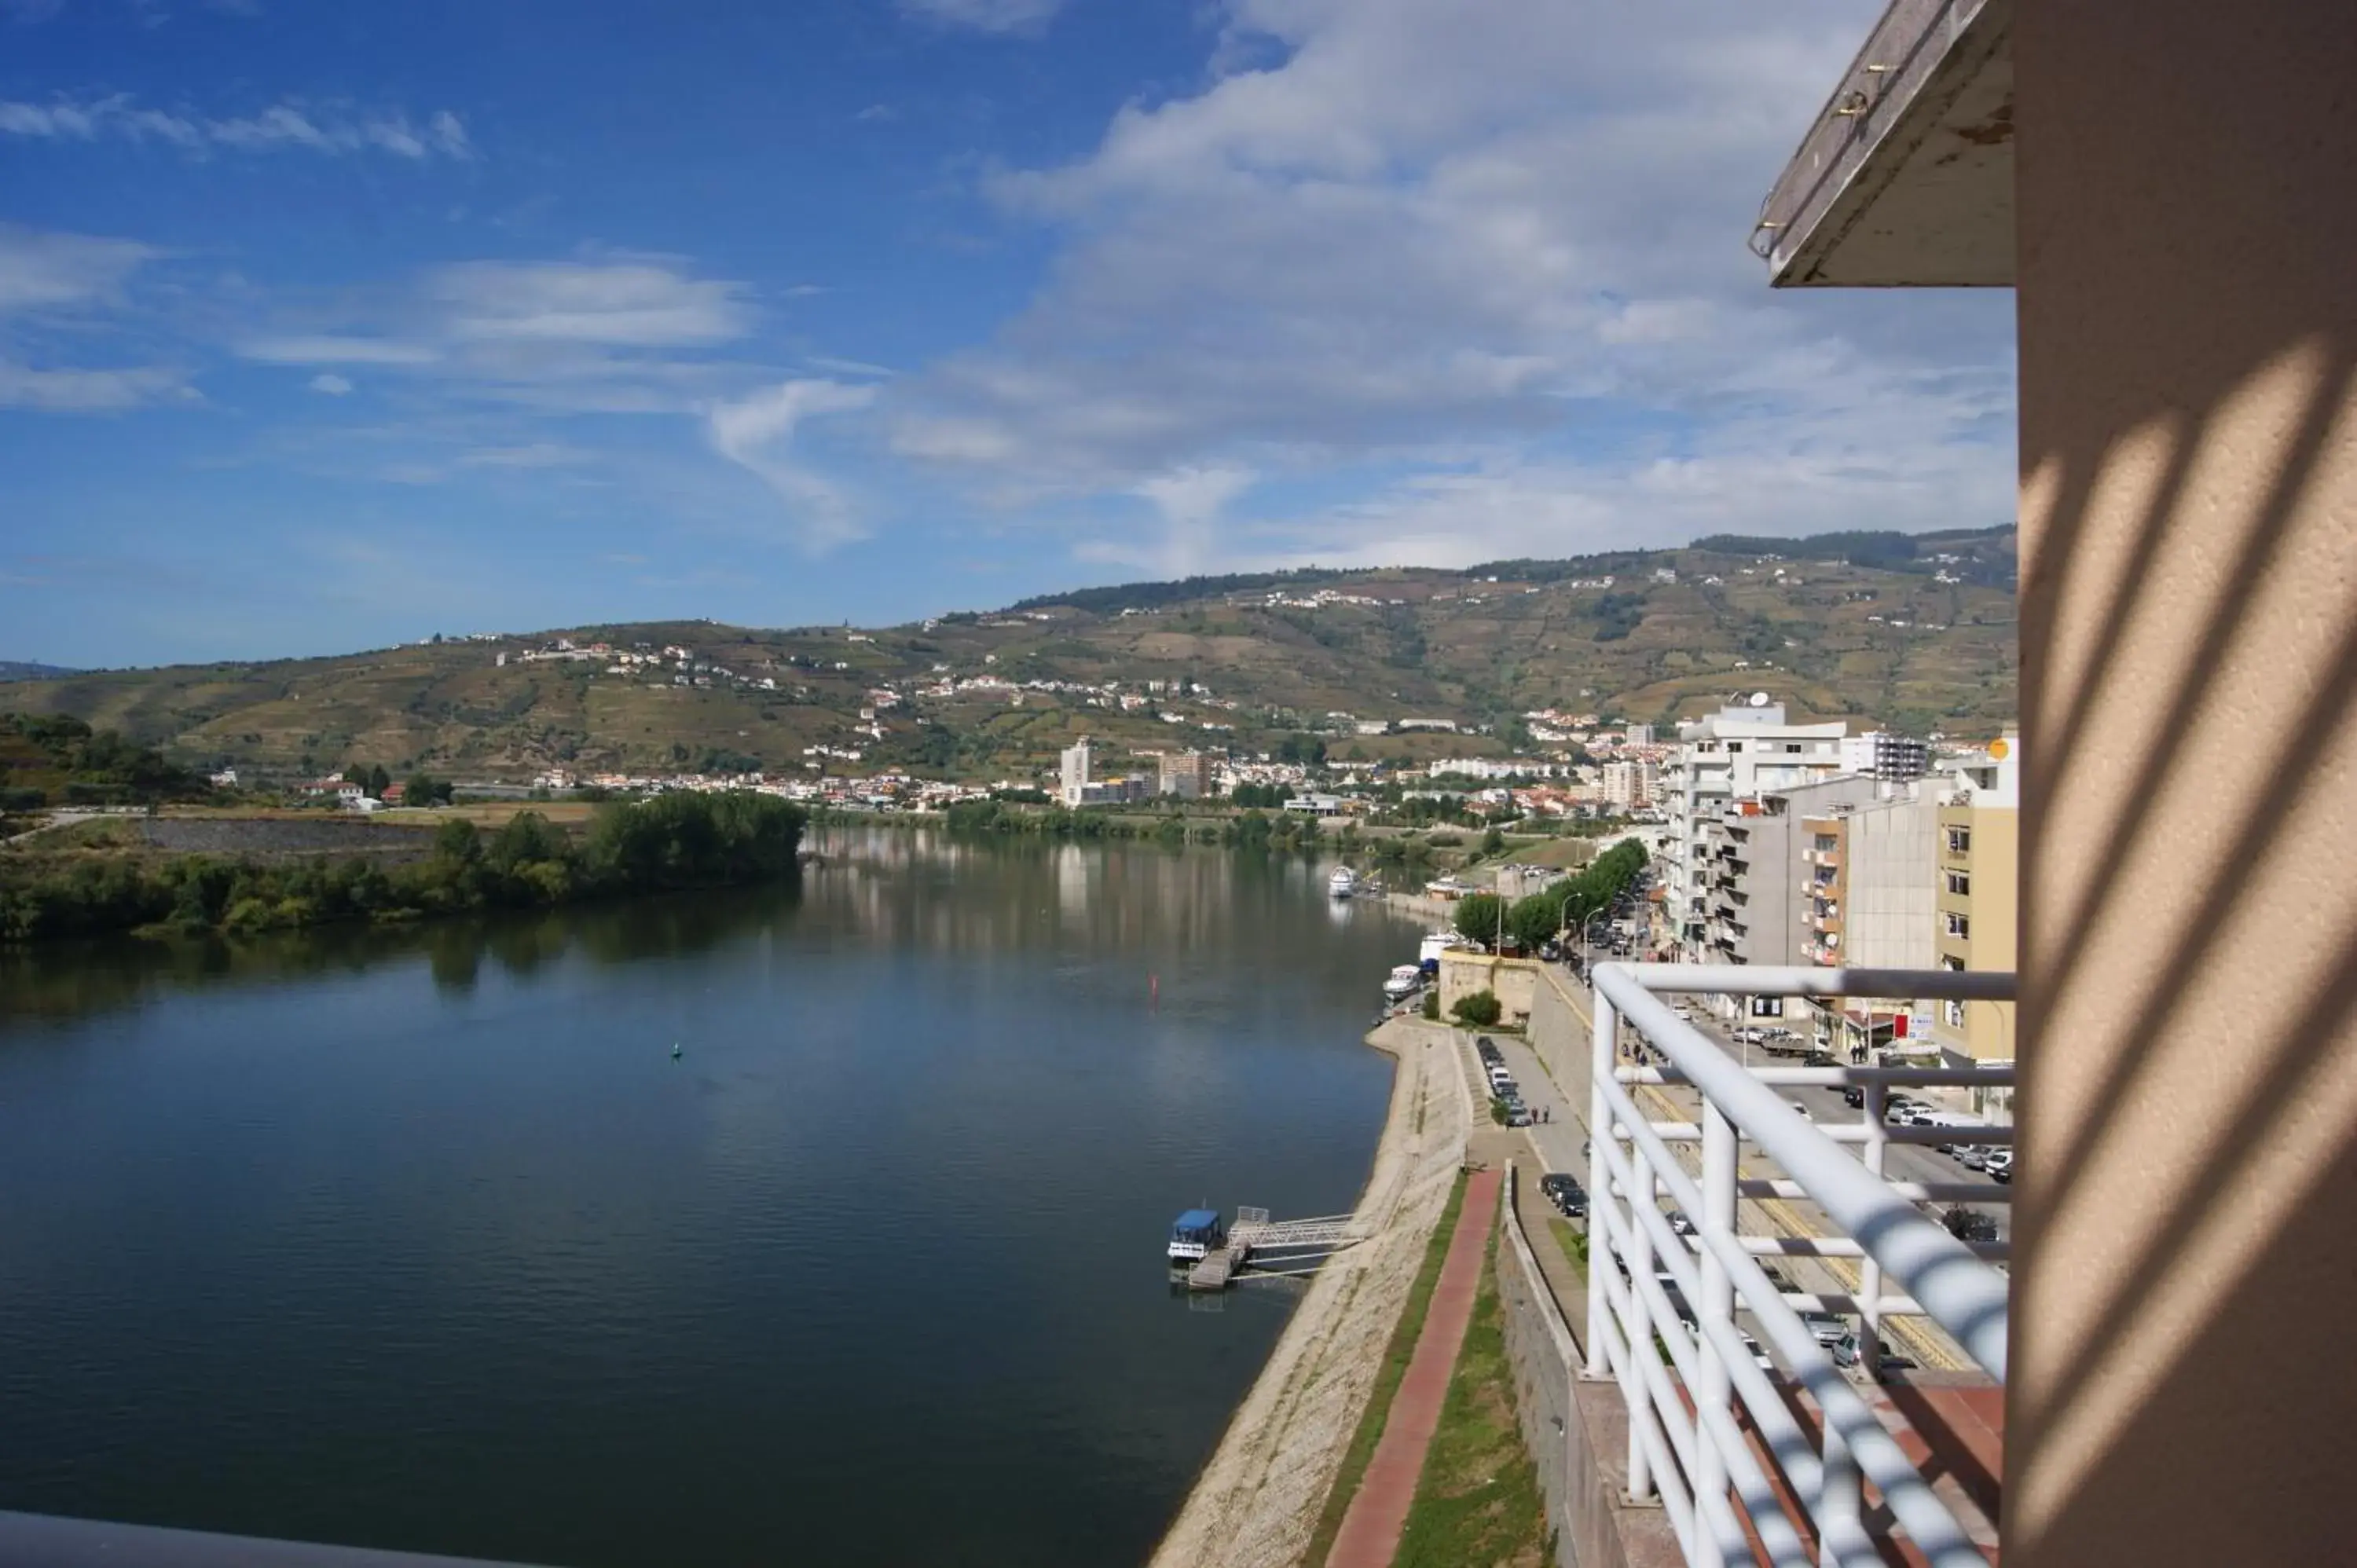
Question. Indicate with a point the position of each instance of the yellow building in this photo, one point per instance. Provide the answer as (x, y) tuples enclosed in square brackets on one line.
[(1978, 894)]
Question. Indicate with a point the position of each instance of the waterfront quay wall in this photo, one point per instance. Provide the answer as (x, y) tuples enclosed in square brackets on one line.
[(1515, 982), (1258, 1498)]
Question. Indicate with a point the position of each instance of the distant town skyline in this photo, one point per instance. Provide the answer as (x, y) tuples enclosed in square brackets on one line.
[(319, 329)]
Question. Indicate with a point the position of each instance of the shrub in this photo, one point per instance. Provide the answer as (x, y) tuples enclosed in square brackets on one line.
[(1480, 1010), (1432, 1005)]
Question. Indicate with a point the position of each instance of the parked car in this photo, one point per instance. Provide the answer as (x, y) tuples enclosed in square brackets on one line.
[(1975, 1156), (1564, 1191), (2001, 1165), (1516, 1116), (1852, 1095), (1828, 1330), (1969, 1225), (1826, 1058)]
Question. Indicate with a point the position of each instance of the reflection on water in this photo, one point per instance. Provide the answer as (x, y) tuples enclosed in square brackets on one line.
[(418, 1236)]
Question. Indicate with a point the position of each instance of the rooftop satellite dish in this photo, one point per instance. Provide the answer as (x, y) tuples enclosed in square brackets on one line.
[(1758, 699)]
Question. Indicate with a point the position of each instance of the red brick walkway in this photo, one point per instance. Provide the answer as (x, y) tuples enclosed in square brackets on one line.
[(1371, 1528)]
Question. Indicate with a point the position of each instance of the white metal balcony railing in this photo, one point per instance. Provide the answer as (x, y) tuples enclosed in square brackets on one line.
[(1689, 1379)]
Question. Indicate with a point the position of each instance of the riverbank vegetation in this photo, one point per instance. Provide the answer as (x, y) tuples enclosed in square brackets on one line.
[(671, 841)]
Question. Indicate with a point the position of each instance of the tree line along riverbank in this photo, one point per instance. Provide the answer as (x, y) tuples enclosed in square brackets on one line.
[(661, 844)]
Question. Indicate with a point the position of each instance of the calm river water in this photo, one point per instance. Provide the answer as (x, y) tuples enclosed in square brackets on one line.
[(424, 1240)]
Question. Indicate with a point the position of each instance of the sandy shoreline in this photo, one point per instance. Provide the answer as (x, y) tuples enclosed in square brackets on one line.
[(1258, 1498)]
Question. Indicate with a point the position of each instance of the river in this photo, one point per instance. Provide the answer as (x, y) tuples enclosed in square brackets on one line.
[(424, 1238)]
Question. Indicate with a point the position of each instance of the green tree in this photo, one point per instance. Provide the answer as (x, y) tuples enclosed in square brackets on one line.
[(1533, 920), (379, 781), (457, 842), (1493, 842), (1480, 1010), (1477, 917)]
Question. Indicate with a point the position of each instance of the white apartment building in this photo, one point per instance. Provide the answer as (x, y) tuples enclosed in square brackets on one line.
[(1075, 790), (1879, 754), (1736, 754)]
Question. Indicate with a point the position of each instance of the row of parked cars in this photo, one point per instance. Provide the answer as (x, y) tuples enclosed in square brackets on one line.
[(1994, 1160), (1502, 1088)]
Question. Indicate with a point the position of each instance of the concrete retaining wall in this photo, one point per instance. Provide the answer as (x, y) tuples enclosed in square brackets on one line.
[(1539, 1348), (1577, 1431)]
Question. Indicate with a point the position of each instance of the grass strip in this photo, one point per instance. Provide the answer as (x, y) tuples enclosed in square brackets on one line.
[(1478, 1500), (1574, 1243), (1396, 1356)]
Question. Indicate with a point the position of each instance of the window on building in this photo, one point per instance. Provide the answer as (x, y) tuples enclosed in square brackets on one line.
[(1954, 1013), (1960, 841), (1733, 746), (1960, 883), (1827, 844), (1952, 964), (1792, 748), (1958, 925)]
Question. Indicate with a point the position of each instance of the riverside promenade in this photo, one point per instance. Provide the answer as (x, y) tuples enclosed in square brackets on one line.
[(1257, 1500), (1370, 1535)]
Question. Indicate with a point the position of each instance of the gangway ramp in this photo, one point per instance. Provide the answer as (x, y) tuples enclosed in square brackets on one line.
[(1275, 1246)]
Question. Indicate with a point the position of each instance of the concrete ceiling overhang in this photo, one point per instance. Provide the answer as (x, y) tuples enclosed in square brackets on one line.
[(1906, 178)]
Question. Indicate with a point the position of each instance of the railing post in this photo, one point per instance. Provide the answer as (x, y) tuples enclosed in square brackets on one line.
[(1837, 1505), (1639, 1329), (1713, 1389), (1870, 1274), (1604, 1027)]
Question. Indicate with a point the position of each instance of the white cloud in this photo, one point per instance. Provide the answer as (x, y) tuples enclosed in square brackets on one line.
[(88, 391), (56, 291), (1190, 501), (987, 16), (637, 304), (41, 269), (290, 123), (331, 350), (333, 385), (757, 433), (1434, 245)]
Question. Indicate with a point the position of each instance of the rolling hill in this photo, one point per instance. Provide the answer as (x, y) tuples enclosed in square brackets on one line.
[(1916, 632)]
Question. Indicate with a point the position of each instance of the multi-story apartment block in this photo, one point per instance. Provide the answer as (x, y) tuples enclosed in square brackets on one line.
[(1629, 785), (1867, 890), (1734, 756), (1978, 844), (1187, 774), (1076, 772), (1879, 754)]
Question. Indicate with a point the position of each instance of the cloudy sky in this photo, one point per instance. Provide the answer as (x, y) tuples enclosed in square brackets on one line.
[(323, 327)]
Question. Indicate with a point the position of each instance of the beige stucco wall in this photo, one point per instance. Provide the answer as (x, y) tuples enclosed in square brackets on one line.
[(1512, 978), (2183, 1388), (1991, 909)]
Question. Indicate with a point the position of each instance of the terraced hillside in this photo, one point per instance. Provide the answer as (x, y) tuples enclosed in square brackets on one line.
[(1920, 635)]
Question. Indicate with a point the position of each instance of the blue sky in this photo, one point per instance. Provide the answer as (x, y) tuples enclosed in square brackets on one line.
[(327, 325)]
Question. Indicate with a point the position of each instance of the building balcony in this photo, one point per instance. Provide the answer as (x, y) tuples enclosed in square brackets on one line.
[(1760, 1450)]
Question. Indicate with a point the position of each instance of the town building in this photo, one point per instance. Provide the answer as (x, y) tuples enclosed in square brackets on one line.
[(1978, 894), (1187, 774), (1869, 876), (1879, 754), (1734, 756), (1075, 782), (1629, 785)]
